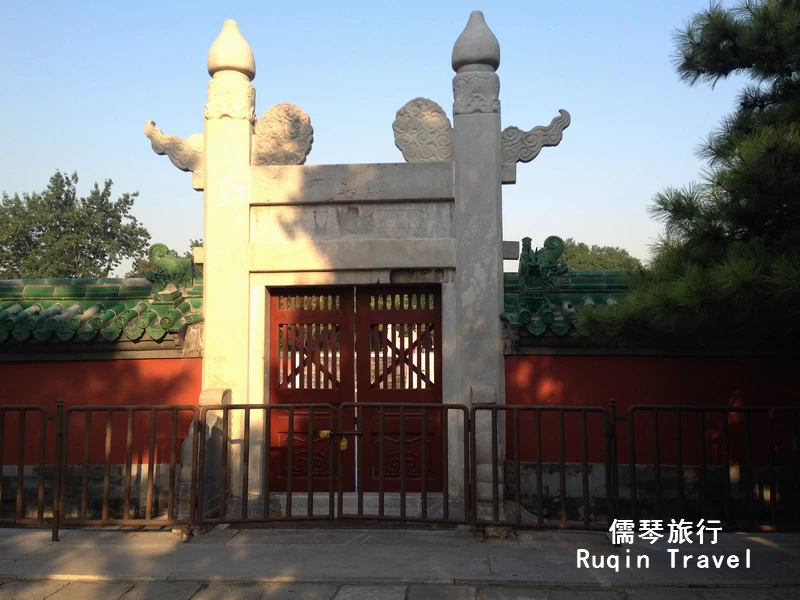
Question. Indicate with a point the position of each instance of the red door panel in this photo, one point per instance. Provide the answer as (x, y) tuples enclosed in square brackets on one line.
[(311, 362), (398, 343)]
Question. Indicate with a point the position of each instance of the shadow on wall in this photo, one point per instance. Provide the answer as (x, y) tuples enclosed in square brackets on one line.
[(659, 380), (134, 382), (734, 449)]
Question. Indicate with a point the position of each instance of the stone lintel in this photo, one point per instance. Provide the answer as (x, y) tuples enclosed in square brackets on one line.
[(322, 184), (510, 250), (352, 255)]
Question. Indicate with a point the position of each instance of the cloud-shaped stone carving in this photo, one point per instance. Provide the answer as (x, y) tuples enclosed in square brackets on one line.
[(524, 146), (283, 136), (423, 132)]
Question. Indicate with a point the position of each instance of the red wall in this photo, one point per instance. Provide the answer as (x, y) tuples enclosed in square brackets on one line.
[(593, 380), (162, 382)]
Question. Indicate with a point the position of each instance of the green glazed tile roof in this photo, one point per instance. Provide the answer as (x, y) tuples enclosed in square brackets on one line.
[(66, 310), (544, 297)]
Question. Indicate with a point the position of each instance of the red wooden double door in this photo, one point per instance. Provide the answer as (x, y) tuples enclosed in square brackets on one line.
[(368, 345)]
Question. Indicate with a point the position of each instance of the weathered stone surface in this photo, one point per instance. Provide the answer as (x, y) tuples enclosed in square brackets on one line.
[(300, 591), (283, 136), (579, 594), (91, 591), (224, 591), (512, 593), (330, 184), (524, 146), (346, 222), (423, 132), (367, 592), (441, 592), (163, 590), (30, 590)]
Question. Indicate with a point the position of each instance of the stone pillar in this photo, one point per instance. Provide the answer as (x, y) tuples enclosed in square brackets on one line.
[(229, 120), (478, 214)]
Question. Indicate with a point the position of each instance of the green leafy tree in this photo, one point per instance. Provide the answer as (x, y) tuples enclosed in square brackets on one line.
[(726, 271), (55, 233), (142, 264), (581, 257)]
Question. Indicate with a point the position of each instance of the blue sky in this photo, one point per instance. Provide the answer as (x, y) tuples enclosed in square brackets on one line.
[(80, 79)]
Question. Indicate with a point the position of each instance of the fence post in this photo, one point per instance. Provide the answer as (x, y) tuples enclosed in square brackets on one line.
[(58, 467), (612, 458)]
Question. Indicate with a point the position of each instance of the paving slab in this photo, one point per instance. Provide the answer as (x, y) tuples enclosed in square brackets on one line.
[(230, 591), (442, 539), (19, 543), (217, 535), (291, 563), (441, 592), (300, 591), (162, 590), (512, 593), (134, 539), (578, 594), (650, 593), (543, 540), (554, 566), (733, 594), (104, 562), (29, 590), (298, 537), (91, 591), (371, 592)]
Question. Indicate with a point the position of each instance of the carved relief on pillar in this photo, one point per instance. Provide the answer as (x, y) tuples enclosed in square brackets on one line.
[(422, 132), (476, 92), (232, 98), (283, 136)]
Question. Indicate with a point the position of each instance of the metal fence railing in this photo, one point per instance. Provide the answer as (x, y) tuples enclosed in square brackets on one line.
[(521, 466), (551, 454), (137, 446), (25, 444), (738, 465)]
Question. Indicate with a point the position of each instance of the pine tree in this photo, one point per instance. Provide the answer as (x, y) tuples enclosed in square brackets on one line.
[(726, 272)]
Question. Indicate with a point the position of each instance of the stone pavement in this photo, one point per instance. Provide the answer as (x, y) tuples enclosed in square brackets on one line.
[(380, 563)]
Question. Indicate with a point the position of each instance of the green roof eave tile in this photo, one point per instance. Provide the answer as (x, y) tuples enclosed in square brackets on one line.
[(544, 296)]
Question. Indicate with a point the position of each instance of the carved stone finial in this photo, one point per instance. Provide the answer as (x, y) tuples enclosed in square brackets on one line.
[(477, 48), (231, 52), (186, 154), (283, 136), (423, 132)]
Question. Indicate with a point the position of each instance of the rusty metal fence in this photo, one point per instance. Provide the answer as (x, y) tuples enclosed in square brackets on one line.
[(313, 463), (741, 465), (556, 466), (528, 483), (149, 484), (24, 421)]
